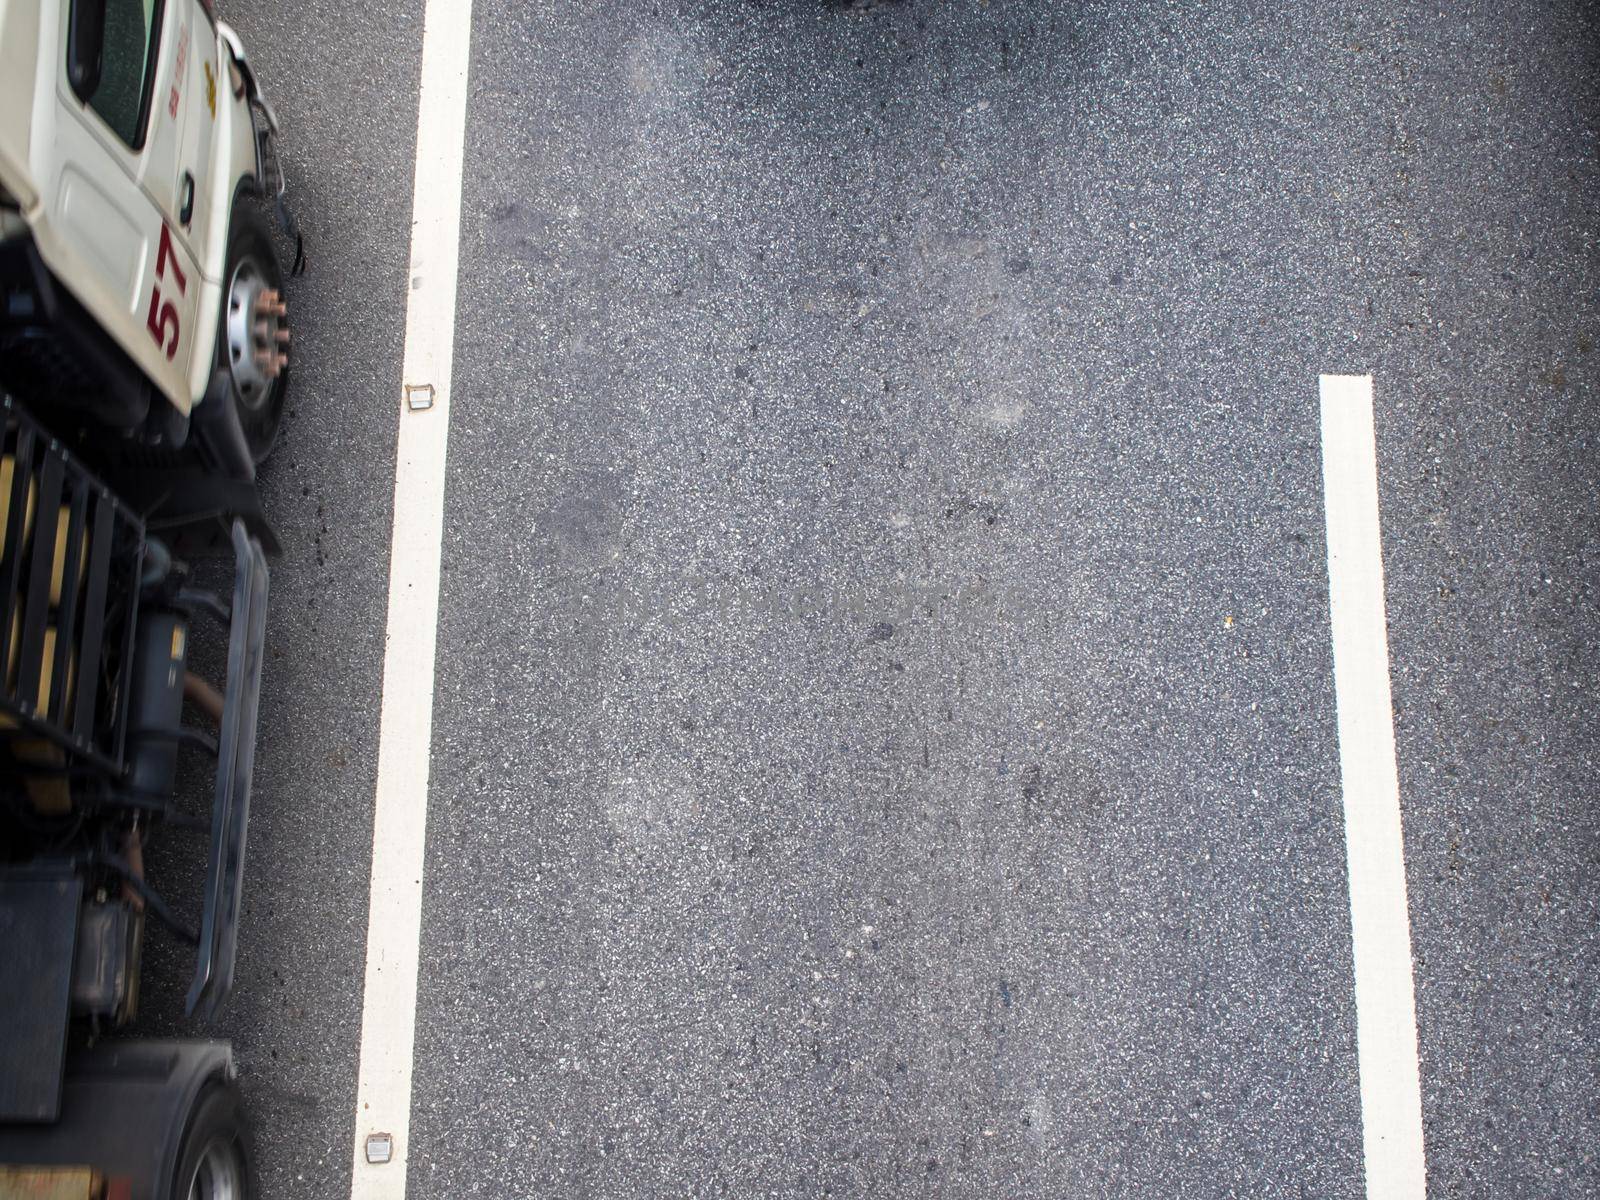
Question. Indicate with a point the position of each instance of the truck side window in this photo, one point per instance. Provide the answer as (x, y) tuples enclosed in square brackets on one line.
[(127, 68)]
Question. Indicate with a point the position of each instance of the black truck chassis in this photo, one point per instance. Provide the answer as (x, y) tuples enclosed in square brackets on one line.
[(95, 625)]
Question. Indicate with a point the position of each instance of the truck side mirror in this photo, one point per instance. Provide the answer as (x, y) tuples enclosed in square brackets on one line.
[(86, 38)]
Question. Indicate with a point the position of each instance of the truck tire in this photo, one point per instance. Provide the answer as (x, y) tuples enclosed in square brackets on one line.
[(214, 1160), (253, 339)]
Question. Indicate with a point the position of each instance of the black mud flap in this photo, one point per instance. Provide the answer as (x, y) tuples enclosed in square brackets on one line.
[(192, 508), (236, 751)]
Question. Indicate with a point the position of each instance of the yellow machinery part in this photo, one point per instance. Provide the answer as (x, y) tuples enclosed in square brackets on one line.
[(8, 470), (14, 654), (49, 793), (58, 564), (51, 1183), (47, 670)]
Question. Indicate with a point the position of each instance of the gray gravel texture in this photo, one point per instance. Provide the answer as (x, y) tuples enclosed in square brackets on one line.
[(885, 740), (1048, 900), (1488, 457)]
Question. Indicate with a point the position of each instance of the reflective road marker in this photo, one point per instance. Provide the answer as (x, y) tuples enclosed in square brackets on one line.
[(399, 824), (1380, 925)]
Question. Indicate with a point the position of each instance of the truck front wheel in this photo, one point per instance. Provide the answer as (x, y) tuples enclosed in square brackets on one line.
[(214, 1163), (255, 320)]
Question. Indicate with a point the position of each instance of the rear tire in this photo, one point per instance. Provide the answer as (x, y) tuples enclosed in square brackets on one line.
[(214, 1162), (248, 345)]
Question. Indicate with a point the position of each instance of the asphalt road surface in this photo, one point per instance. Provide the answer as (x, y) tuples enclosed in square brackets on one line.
[(885, 735)]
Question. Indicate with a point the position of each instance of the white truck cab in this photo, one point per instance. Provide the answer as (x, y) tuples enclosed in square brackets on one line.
[(137, 264)]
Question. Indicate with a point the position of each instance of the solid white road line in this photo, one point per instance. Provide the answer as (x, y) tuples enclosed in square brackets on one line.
[(1386, 1016), (399, 826)]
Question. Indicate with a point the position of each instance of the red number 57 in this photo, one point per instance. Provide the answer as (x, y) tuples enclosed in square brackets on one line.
[(162, 320)]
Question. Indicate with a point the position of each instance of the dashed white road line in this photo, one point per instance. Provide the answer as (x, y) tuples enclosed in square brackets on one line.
[(1386, 1017), (399, 827)]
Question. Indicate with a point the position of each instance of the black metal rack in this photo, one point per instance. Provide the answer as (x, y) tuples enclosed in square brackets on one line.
[(70, 562)]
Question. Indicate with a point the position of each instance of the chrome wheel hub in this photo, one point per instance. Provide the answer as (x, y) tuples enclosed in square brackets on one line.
[(219, 1175), (258, 335)]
